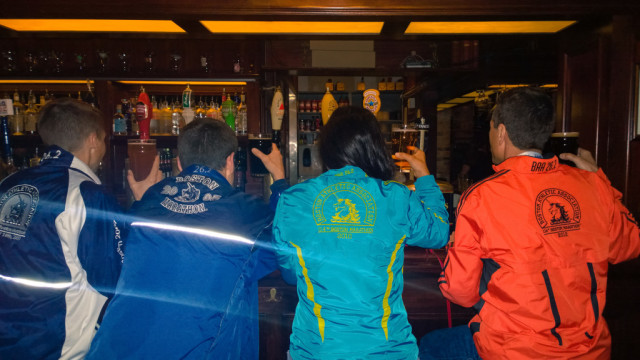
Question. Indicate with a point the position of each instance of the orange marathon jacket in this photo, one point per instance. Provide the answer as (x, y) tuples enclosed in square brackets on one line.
[(531, 253)]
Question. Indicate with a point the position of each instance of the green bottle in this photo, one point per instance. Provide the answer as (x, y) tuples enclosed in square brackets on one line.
[(229, 109)]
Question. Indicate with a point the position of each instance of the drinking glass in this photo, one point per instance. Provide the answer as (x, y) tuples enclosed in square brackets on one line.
[(564, 142), (401, 137), (142, 153), (263, 143)]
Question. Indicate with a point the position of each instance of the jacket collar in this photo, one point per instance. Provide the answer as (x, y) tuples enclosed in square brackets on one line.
[(57, 156), (207, 172), (350, 171), (528, 164)]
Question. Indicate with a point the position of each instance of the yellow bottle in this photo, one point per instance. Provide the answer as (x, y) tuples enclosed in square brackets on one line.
[(382, 85), (328, 106)]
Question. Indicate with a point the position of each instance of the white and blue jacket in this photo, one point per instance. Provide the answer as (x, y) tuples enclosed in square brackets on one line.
[(189, 285), (61, 251)]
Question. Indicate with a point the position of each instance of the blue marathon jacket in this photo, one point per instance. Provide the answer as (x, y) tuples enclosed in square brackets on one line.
[(188, 288), (341, 236), (60, 257)]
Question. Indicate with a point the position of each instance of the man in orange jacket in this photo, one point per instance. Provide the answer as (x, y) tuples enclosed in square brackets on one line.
[(532, 247)]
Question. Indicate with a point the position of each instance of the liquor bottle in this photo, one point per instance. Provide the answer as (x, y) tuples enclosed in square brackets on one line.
[(227, 109), (90, 97), (7, 150), (165, 117), (42, 102), (237, 67), (361, 85), (240, 171), (177, 121), (211, 110), (154, 124), (204, 64), (329, 85), (126, 114), (201, 109), (382, 85), (16, 121), (31, 116), (119, 122), (135, 127), (35, 159), (241, 119), (390, 84)]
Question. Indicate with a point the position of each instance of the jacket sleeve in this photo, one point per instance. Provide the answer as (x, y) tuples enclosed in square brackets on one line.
[(264, 251), (460, 279), (276, 190), (286, 254), (428, 215), (624, 232), (101, 239)]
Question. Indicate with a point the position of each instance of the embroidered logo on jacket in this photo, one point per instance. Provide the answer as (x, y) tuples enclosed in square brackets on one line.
[(17, 207), (557, 212), (344, 208), (188, 194)]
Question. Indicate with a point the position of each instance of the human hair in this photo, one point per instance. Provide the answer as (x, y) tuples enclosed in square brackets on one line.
[(352, 136), (68, 122), (206, 142), (527, 114)]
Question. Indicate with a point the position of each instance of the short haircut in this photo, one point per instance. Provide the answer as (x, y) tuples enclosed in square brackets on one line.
[(352, 136), (206, 142), (68, 122), (527, 114)]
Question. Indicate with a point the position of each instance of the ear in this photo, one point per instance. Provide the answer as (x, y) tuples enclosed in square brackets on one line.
[(230, 164), (502, 133), (178, 163), (92, 141)]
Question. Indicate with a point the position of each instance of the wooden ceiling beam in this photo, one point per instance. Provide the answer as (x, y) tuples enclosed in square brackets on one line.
[(197, 9)]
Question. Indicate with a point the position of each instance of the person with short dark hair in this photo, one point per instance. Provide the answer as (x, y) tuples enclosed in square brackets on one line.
[(195, 252), (340, 237), (532, 247), (61, 240)]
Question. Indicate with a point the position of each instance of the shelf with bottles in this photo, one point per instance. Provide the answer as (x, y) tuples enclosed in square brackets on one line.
[(207, 100)]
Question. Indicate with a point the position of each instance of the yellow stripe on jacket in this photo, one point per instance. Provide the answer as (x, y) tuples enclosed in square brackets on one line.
[(385, 301), (310, 295)]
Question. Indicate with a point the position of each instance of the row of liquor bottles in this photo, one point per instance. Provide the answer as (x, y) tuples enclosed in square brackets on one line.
[(170, 113), (385, 84), (26, 108)]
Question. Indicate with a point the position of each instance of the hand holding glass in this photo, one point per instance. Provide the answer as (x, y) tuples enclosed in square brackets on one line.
[(141, 156)]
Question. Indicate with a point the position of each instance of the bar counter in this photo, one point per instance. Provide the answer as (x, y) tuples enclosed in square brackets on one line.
[(426, 307)]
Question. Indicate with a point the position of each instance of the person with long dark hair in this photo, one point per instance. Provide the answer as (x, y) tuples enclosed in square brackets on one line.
[(340, 238)]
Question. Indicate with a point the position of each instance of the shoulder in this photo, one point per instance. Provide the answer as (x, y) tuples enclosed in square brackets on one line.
[(96, 195), (481, 187)]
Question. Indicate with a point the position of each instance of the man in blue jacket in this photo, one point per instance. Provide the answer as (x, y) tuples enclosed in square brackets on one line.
[(61, 244), (195, 252)]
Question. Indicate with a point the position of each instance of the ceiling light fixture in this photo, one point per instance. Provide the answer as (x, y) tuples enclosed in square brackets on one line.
[(487, 27), (92, 25), (42, 81), (294, 27), (180, 82)]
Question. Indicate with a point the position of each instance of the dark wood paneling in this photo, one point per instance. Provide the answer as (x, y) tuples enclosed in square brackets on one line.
[(245, 8)]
